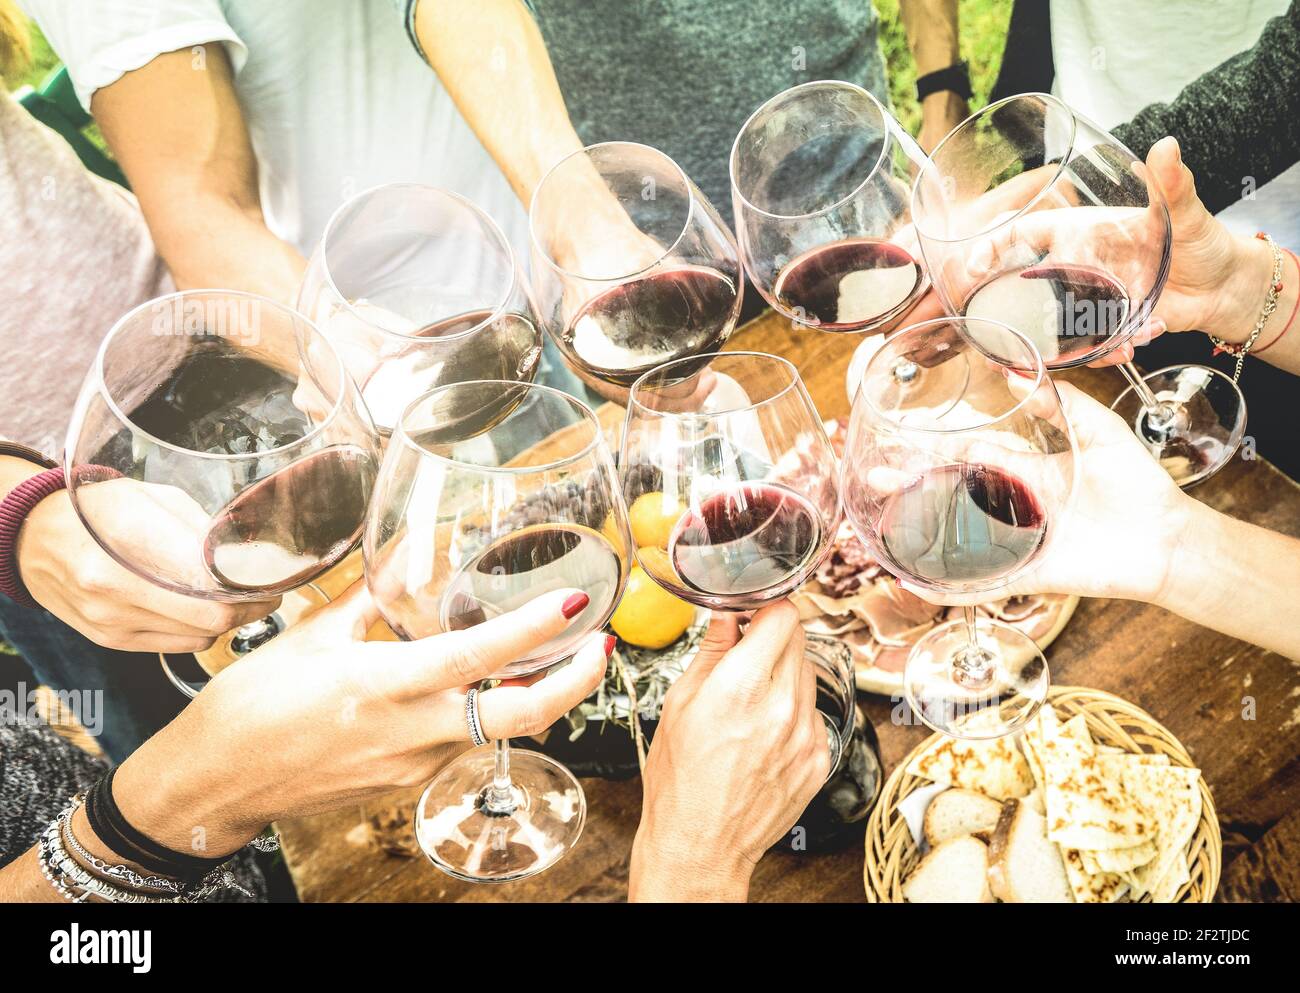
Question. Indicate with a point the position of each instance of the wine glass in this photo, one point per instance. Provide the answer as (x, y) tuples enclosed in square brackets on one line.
[(1031, 214), (632, 266), (957, 470), (480, 507), (219, 449), (821, 180), (418, 287), (733, 458)]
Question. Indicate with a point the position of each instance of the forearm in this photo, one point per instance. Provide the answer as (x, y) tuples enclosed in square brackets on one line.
[(1239, 305), (934, 38), (1238, 122), (661, 874), (1238, 579), (232, 249), (490, 56), (198, 188), (21, 881), (932, 33)]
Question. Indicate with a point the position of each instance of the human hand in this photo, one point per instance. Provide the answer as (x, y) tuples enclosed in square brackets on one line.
[(318, 718), (70, 575), (1124, 529), (739, 753)]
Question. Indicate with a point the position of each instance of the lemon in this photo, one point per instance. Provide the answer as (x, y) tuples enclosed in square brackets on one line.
[(652, 516), (648, 615)]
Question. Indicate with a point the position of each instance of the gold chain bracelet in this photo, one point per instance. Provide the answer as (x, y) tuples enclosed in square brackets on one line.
[(1222, 347)]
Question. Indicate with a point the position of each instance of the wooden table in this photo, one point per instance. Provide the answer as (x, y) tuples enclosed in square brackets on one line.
[(1198, 683)]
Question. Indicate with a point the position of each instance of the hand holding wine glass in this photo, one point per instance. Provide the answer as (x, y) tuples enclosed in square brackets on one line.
[(742, 469), (69, 574), (740, 751), (1125, 527), (319, 718), (937, 483), (492, 493), (191, 463)]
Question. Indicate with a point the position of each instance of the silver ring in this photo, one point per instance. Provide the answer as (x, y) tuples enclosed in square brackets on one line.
[(472, 718)]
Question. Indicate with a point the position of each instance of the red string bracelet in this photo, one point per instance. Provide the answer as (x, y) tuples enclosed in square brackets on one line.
[(1295, 307)]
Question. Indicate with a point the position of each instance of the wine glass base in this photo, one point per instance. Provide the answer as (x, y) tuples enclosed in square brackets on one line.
[(1016, 685), (190, 673), (1206, 429), (462, 837)]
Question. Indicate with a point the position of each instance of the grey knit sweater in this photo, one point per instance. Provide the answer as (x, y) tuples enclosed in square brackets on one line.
[(39, 772), (1240, 121)]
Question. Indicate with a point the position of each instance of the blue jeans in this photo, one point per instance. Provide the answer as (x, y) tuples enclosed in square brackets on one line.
[(125, 696)]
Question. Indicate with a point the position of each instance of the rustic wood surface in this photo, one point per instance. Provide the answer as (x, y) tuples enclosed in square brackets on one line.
[(1235, 707)]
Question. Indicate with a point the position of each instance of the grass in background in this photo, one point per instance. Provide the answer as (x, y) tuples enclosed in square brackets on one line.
[(983, 26)]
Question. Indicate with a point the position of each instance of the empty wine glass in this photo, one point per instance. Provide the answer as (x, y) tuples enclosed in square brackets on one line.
[(417, 287), (956, 473), (733, 458), (480, 507), (821, 180), (1030, 214), (219, 449), (632, 266)]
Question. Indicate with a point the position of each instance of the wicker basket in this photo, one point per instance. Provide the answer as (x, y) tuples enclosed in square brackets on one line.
[(891, 853)]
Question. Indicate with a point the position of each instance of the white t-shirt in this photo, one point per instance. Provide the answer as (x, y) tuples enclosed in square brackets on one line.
[(335, 97), (1115, 57)]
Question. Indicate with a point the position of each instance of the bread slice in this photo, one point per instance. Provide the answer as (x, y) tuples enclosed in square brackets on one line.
[(954, 872), (954, 813), (1024, 867)]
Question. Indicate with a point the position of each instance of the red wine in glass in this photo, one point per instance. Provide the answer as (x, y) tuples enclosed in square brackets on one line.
[(634, 326), (849, 285), (1070, 312), (754, 541), (508, 349), (960, 523), (519, 567), (293, 524)]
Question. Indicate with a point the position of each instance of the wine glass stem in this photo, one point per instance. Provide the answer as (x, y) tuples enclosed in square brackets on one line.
[(1158, 413), (500, 796), (972, 666)]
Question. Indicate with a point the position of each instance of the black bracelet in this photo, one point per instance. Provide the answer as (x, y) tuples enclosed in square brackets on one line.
[(955, 78), (115, 831)]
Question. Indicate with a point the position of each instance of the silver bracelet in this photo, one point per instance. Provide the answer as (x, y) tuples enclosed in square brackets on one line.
[(72, 881), (113, 873), (73, 877)]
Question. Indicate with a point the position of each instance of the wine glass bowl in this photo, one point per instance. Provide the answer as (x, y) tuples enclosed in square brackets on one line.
[(477, 513), (958, 469), (632, 266), (821, 179), (491, 494), (733, 459), (418, 287), (195, 460), (1030, 214)]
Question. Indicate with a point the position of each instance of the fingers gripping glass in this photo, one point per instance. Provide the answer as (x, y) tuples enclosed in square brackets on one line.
[(491, 494), (240, 456), (1030, 214), (957, 470)]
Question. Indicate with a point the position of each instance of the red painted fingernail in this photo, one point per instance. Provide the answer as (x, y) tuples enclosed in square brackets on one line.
[(610, 642), (574, 606)]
